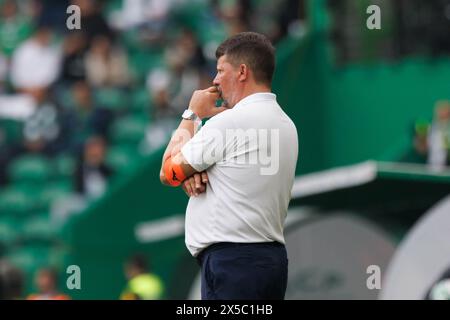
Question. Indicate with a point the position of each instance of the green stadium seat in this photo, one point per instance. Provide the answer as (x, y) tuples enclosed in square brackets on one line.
[(10, 131), (130, 39), (29, 259), (53, 192), (39, 228), (9, 231), (112, 5), (129, 130), (120, 158), (142, 61), (30, 169), (64, 166), (141, 101), (23, 259), (58, 257), (17, 201), (192, 15), (110, 98), (65, 95)]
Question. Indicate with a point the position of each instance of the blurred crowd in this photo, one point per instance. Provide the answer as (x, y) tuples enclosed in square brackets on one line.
[(12, 284), (131, 68), (141, 282)]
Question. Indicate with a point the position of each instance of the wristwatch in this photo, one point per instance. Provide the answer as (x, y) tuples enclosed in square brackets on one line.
[(188, 114)]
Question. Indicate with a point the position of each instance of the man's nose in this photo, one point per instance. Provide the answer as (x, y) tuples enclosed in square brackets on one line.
[(216, 82)]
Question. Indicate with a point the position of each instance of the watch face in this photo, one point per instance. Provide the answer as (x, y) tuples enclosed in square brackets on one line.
[(188, 114)]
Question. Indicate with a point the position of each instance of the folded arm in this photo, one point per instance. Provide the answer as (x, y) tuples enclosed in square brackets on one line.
[(175, 169)]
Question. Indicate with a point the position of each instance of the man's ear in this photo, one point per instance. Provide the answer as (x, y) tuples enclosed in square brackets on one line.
[(243, 72)]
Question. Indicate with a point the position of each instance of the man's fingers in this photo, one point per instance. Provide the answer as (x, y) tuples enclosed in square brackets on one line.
[(192, 183), (187, 188), (196, 184), (212, 89), (214, 95), (198, 180), (202, 189)]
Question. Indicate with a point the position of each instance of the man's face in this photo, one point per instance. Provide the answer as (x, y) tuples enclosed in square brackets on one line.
[(227, 80), (95, 152), (443, 113), (45, 282), (82, 94)]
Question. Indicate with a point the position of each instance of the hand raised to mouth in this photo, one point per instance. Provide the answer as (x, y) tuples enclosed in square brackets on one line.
[(203, 102)]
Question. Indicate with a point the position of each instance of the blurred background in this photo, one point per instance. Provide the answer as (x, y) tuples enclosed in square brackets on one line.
[(85, 116)]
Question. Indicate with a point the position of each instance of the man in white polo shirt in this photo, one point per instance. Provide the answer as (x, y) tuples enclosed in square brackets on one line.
[(239, 170)]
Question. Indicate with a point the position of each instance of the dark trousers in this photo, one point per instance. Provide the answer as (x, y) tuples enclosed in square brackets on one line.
[(244, 271)]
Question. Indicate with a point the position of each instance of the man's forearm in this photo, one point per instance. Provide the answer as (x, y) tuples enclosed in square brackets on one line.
[(175, 168), (181, 136)]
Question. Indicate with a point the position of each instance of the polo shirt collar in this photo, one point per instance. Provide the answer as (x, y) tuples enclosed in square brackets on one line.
[(256, 97)]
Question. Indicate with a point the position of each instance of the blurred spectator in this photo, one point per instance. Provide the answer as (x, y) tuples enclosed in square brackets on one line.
[(186, 61), (92, 174), (235, 13), (171, 89), (162, 108), (44, 131), (14, 27), (142, 283), (73, 66), (3, 72), (143, 13), (5, 159), (291, 19), (162, 112), (158, 84), (46, 282), (439, 137), (86, 119), (187, 51), (106, 64), (11, 281), (93, 23), (418, 153), (52, 13), (36, 63), (13, 110)]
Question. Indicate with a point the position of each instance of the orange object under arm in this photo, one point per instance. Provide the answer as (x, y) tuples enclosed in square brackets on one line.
[(174, 173)]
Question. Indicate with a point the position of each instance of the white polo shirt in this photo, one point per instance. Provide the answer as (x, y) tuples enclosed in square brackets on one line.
[(250, 154)]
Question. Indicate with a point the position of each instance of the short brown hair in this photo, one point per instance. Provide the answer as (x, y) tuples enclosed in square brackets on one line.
[(253, 49)]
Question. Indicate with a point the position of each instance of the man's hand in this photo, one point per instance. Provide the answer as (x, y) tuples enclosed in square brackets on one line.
[(196, 184), (203, 103)]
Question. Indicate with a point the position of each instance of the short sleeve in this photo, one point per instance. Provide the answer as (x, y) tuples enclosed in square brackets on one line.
[(207, 147)]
